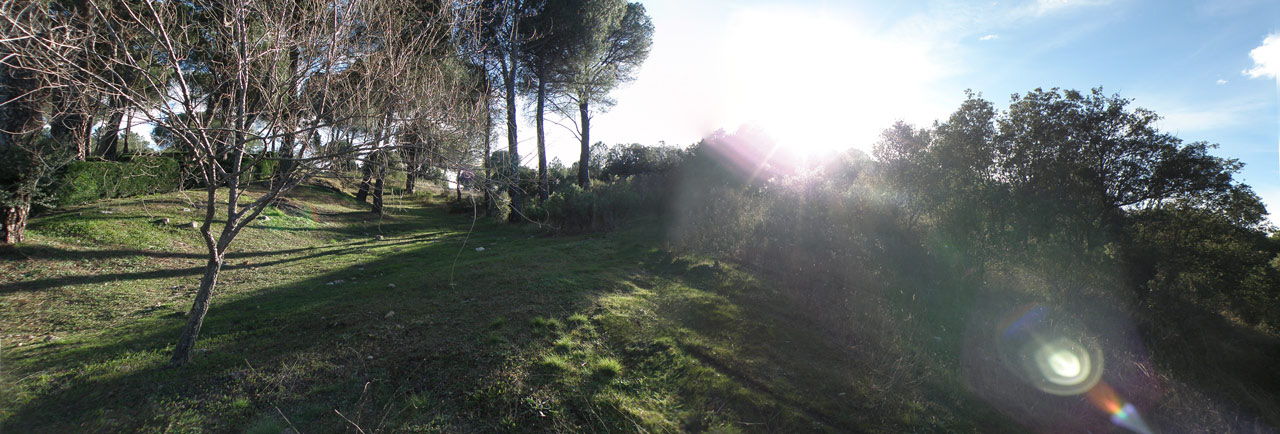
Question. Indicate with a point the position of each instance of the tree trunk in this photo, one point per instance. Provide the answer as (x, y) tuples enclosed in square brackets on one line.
[(544, 190), (128, 127), (70, 128), (488, 197), (513, 188), (110, 133), (363, 194), (409, 178), (377, 195), (584, 179), (13, 222), (187, 342)]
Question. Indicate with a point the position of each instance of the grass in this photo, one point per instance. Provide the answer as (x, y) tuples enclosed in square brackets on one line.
[(621, 334)]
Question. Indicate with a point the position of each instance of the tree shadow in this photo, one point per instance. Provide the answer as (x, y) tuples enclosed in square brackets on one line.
[(305, 348)]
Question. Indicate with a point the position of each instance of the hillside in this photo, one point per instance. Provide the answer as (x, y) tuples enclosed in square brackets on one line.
[(331, 319)]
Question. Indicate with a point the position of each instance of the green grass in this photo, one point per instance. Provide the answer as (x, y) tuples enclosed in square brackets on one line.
[(621, 335)]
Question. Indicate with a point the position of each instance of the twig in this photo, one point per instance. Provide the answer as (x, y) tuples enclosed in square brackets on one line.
[(286, 420), (335, 411)]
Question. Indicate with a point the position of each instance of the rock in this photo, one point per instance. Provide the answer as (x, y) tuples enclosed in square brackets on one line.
[(186, 210), (106, 211), (264, 218), (380, 238), (50, 338), (163, 221), (368, 357), (195, 225), (389, 314), (479, 249), (391, 285)]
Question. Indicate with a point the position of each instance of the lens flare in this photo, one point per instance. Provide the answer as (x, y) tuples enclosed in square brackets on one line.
[(1065, 363), (1123, 414), (1047, 354)]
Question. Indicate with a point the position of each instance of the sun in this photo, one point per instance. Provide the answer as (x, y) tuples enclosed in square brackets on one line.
[(816, 81)]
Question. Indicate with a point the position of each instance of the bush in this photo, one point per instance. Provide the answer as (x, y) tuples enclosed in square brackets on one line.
[(86, 181), (607, 204)]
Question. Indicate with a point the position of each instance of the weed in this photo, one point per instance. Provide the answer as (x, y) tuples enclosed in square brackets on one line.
[(544, 323), (606, 367)]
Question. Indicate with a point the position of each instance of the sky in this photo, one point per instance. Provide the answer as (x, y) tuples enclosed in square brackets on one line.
[(831, 75)]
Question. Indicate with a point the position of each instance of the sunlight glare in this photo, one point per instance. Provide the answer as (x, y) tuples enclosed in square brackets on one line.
[(817, 80), (1064, 363)]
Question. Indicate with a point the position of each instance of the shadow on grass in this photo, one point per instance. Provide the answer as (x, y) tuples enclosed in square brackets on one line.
[(61, 254), (306, 348)]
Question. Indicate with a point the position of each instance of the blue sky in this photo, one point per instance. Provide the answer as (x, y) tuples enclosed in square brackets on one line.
[(822, 75)]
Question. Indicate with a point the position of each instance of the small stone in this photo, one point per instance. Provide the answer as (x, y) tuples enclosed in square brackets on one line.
[(264, 218), (186, 210), (368, 357), (107, 211), (195, 225), (389, 314), (479, 249), (50, 338), (391, 285), (380, 238), (163, 221)]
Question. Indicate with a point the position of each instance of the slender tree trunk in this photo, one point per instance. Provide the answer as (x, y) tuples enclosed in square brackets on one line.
[(584, 178), (128, 127), (71, 127), (411, 156), (363, 194), (13, 222), (457, 182), (513, 188), (544, 190), (377, 194), (195, 319), (110, 135), (488, 175)]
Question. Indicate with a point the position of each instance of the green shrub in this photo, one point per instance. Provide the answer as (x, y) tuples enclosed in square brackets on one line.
[(86, 181), (607, 204), (264, 169)]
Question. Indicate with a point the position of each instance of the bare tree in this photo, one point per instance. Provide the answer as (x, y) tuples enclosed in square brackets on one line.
[(234, 72)]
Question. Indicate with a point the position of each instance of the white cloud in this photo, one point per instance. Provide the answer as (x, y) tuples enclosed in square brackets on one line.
[(989, 37), (1221, 82), (1266, 59)]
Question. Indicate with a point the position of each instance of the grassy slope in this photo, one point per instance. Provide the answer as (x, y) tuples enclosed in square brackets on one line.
[(328, 318)]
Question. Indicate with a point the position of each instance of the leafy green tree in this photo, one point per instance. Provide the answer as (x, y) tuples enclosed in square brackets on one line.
[(549, 36), (501, 41), (612, 40)]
